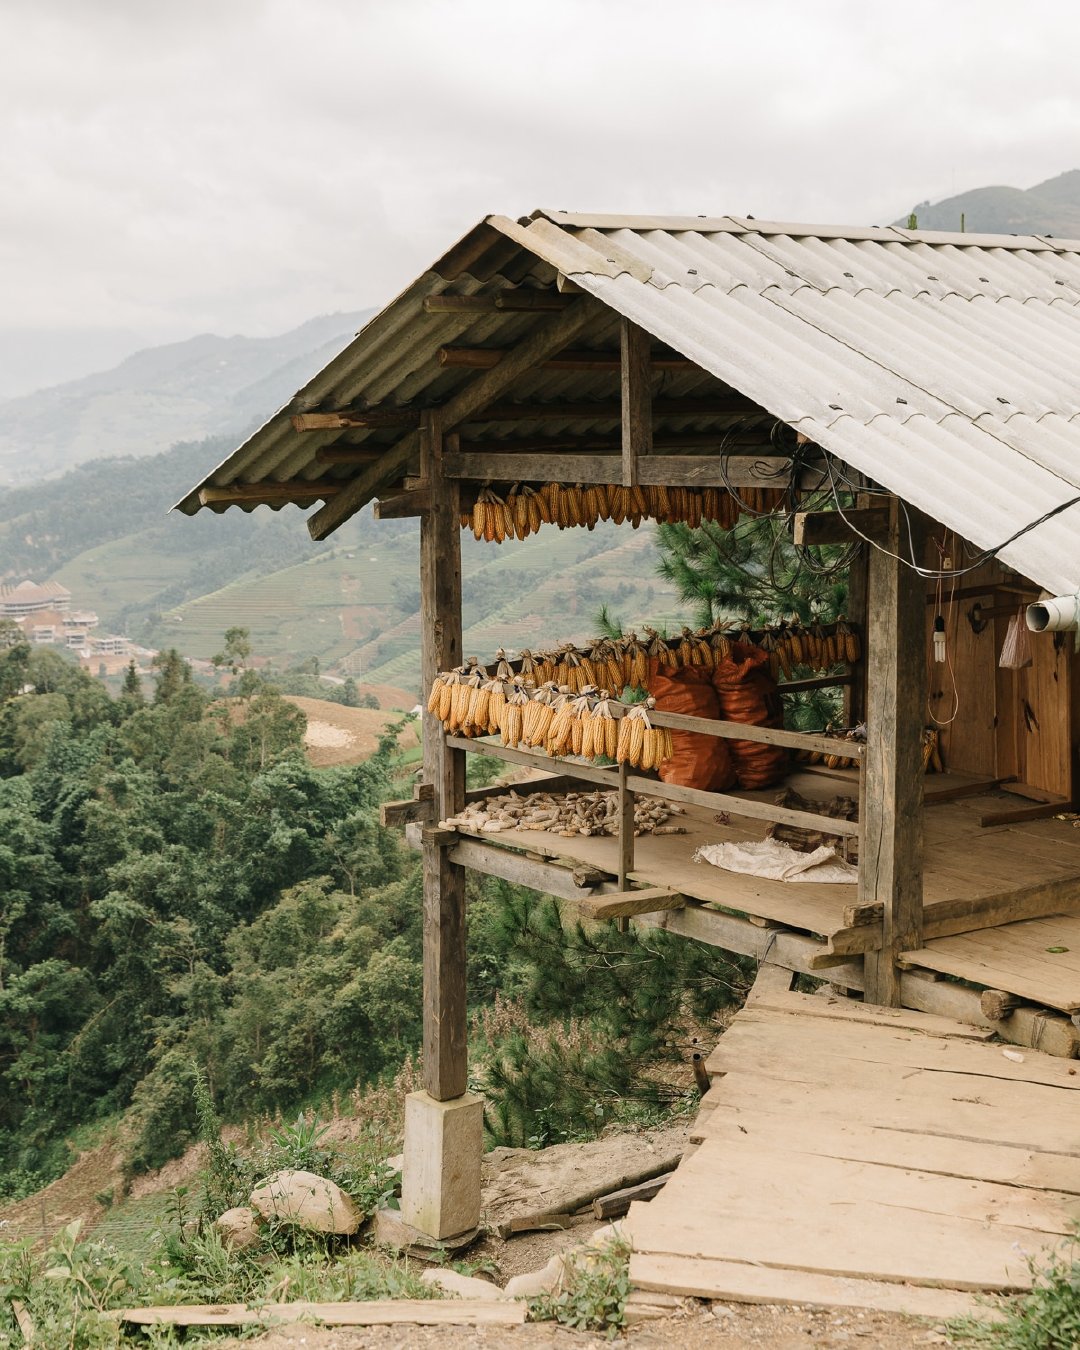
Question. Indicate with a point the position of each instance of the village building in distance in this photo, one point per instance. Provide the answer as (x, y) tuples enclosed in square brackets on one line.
[(43, 611)]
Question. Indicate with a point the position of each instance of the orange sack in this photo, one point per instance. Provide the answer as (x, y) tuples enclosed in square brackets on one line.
[(699, 761), (747, 692)]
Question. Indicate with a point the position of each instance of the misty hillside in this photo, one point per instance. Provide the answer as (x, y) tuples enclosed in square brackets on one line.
[(1052, 207), (206, 386)]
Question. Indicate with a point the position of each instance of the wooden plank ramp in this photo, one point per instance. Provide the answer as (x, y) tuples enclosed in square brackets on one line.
[(861, 1157)]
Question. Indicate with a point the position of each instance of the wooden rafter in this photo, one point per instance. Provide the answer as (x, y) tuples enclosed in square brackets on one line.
[(760, 471), (729, 404), (549, 335), (484, 358), (509, 301), (298, 490)]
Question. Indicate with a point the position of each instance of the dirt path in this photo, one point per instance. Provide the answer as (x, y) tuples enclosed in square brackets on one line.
[(723, 1327)]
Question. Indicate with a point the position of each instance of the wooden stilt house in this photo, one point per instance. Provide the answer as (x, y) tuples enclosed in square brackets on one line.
[(911, 395)]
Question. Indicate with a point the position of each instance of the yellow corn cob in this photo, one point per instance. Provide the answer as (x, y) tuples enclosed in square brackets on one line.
[(637, 739)]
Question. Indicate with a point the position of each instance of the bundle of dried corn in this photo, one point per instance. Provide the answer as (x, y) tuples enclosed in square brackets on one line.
[(572, 813), (837, 761), (525, 507), (640, 744), (462, 699)]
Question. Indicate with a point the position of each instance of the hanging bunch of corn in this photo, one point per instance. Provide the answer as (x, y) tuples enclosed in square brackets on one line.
[(659, 650), (560, 729), (538, 714), (635, 662), (525, 507), (442, 693), (513, 714), (640, 744), (847, 641), (601, 731), (569, 669)]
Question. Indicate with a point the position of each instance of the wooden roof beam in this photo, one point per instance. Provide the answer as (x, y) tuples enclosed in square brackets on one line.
[(267, 494), (723, 405), (547, 336), (485, 358), (719, 442), (508, 301), (761, 471)]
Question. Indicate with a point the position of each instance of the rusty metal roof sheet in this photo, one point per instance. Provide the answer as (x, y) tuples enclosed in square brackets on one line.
[(944, 366)]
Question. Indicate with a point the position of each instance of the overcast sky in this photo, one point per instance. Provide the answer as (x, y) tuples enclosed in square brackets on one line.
[(179, 166)]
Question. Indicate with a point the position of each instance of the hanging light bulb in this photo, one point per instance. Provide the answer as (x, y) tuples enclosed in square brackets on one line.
[(939, 640)]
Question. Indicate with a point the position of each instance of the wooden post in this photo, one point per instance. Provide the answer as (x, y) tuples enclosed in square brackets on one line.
[(444, 770), (634, 346), (627, 800), (855, 692), (891, 833)]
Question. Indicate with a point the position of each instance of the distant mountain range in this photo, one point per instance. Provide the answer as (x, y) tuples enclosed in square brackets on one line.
[(1052, 207), (206, 386)]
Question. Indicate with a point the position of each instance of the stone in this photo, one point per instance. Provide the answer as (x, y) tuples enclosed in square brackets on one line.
[(533, 1282), (391, 1230), (239, 1227), (440, 1184), (307, 1200), (464, 1286), (611, 1232)]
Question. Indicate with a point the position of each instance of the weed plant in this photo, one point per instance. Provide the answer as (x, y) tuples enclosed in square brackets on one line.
[(594, 1293), (1047, 1318)]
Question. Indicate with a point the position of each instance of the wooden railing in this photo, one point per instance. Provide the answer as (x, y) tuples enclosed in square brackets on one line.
[(629, 783)]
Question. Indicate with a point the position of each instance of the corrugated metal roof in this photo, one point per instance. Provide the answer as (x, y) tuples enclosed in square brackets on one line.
[(944, 366)]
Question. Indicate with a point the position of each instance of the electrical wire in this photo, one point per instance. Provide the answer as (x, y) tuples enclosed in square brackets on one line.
[(927, 572)]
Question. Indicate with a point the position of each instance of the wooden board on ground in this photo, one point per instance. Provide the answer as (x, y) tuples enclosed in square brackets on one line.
[(383, 1312), (739, 1282), (1037, 958), (852, 1161), (760, 1036), (837, 1008), (859, 1141)]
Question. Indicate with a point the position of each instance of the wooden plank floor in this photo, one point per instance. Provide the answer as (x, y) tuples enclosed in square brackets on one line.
[(1039, 959), (866, 1158), (963, 860)]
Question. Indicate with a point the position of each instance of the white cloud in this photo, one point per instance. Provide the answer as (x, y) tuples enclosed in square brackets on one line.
[(239, 165)]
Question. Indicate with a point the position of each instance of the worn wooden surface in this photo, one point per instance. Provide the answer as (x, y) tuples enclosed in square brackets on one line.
[(445, 1070), (1037, 958), (636, 387), (891, 837), (849, 1160)]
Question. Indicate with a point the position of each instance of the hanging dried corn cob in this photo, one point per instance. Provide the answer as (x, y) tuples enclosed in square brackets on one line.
[(560, 732), (513, 714), (640, 744), (605, 727), (538, 714), (848, 641), (637, 672)]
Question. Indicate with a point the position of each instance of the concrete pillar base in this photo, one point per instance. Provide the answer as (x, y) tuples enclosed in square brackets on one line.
[(440, 1182)]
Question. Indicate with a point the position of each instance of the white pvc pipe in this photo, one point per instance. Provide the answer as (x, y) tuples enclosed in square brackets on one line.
[(1053, 615)]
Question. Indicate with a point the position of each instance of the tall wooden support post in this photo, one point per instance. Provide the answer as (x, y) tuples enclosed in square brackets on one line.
[(855, 692), (891, 834), (443, 1124), (637, 438)]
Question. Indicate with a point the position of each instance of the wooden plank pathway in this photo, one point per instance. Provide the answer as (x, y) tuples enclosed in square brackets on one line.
[(869, 1158)]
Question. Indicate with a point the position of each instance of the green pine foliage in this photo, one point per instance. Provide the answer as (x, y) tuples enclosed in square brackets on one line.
[(600, 1011)]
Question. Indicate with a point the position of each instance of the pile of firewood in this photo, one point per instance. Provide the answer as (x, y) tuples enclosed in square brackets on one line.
[(567, 814)]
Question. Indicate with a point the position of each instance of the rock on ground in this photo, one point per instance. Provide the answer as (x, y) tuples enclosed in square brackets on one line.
[(307, 1200)]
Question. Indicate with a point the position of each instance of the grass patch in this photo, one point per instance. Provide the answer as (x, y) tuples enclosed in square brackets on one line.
[(1048, 1318)]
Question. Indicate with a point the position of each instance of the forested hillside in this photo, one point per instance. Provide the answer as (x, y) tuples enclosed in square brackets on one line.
[(179, 889), (207, 385)]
